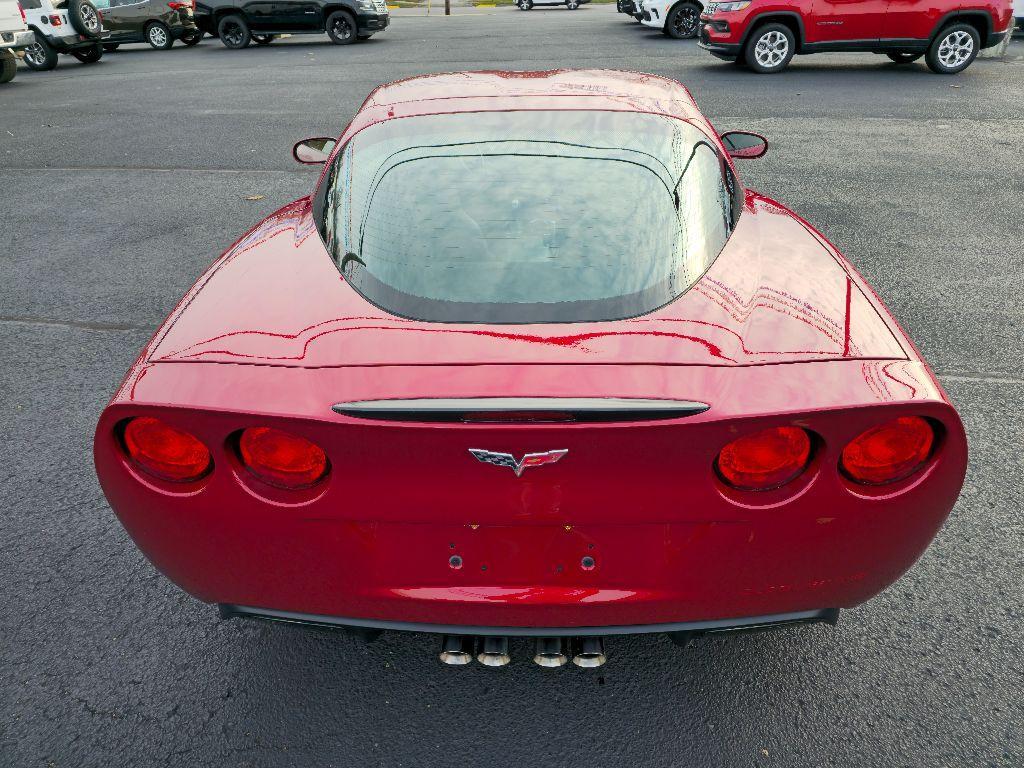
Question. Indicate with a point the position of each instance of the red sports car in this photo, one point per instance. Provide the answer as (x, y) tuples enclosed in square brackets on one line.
[(531, 361)]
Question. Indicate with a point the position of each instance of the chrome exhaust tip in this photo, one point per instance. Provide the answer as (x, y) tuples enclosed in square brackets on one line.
[(456, 650), (590, 652), (494, 652), (551, 652)]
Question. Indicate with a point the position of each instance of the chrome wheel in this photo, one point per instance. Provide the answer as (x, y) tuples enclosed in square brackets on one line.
[(90, 19), (157, 37), (955, 49), (771, 49), (35, 55)]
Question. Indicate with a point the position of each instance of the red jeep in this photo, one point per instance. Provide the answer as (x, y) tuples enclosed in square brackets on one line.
[(765, 34)]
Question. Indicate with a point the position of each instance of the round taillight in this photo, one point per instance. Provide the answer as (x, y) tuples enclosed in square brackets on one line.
[(765, 459), (889, 452), (165, 451), (281, 458)]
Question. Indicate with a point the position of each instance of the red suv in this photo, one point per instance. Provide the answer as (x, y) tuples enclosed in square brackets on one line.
[(765, 34)]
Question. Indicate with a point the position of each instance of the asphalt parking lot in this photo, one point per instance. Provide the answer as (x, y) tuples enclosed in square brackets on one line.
[(123, 180)]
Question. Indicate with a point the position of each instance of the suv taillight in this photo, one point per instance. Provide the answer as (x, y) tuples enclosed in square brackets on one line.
[(24, 19)]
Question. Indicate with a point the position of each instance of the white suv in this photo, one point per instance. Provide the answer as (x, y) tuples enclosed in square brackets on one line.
[(14, 35), (63, 26), (676, 18)]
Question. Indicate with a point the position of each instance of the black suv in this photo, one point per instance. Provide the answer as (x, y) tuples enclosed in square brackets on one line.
[(239, 22)]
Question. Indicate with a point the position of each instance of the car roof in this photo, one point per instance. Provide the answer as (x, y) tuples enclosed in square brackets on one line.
[(559, 89), (607, 83)]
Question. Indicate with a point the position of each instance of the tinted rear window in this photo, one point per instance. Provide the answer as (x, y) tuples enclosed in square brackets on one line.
[(520, 217)]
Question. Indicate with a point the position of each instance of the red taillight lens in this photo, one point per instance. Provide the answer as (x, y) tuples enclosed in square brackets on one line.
[(890, 452), (281, 458), (174, 6), (21, 10), (165, 452), (765, 459)]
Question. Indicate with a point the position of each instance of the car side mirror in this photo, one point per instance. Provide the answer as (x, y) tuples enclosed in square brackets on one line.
[(313, 151), (744, 144)]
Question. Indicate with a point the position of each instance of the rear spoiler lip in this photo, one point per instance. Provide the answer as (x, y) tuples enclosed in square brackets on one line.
[(475, 409)]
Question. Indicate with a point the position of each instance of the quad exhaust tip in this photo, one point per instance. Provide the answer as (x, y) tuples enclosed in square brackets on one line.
[(494, 652), (590, 652), (551, 652), (457, 650)]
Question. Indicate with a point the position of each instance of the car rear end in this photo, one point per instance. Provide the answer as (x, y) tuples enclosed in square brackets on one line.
[(649, 521), (14, 31), (179, 17), (517, 411)]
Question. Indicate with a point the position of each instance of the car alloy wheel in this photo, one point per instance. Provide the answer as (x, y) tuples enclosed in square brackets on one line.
[(572, 5), (232, 34), (90, 19), (685, 21), (157, 36), (35, 55), (342, 28), (955, 49), (771, 49)]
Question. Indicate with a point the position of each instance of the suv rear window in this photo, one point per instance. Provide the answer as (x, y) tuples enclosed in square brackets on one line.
[(522, 217)]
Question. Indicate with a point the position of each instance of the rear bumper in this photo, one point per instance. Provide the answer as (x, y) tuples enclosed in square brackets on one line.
[(69, 43), (827, 616), (995, 38), (17, 39)]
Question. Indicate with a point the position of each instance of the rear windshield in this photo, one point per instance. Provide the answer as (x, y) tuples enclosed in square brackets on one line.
[(523, 217)]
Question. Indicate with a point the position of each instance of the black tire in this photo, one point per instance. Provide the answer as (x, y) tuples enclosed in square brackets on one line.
[(234, 32), (89, 55), (192, 38), (683, 21), (158, 36), (572, 5), (111, 47), (40, 56), (8, 66), (263, 39), (341, 28), (953, 49), (770, 48), (85, 19), (525, 5)]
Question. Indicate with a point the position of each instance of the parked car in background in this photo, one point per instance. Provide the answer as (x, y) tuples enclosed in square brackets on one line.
[(14, 35), (1018, 17), (527, 5), (239, 22), (676, 18), (629, 8), (74, 27), (157, 22), (765, 34)]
